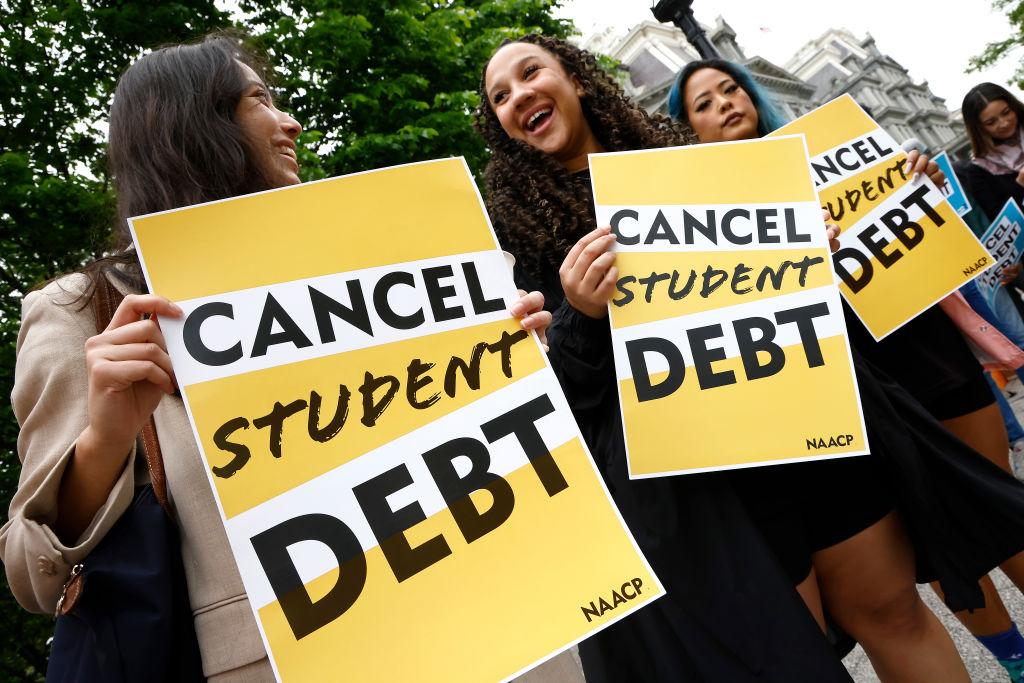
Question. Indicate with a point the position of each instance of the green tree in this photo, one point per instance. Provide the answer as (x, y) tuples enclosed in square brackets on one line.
[(374, 83), (997, 50), (387, 83), (59, 62)]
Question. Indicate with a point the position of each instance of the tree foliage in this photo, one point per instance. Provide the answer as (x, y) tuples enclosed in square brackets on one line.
[(999, 49), (373, 83), (388, 83)]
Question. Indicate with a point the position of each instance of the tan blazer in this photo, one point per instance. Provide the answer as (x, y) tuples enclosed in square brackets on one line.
[(49, 401)]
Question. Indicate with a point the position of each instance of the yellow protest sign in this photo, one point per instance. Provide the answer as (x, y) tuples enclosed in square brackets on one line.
[(729, 338), (403, 485), (902, 246)]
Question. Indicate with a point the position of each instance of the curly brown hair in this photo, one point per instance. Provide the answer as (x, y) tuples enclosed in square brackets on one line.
[(538, 208)]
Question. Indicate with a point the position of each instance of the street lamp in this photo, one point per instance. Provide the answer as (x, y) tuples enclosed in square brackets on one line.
[(680, 13)]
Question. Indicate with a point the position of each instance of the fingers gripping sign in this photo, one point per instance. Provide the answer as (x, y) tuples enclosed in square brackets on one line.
[(918, 163), (532, 316), (831, 231), (588, 273), (129, 372)]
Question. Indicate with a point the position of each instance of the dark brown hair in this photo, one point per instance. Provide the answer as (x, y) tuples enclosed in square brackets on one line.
[(539, 209), (979, 97), (173, 141)]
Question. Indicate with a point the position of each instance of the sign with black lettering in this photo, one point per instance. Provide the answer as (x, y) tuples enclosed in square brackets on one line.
[(903, 247), (729, 339), (952, 190), (404, 488), (1004, 240)]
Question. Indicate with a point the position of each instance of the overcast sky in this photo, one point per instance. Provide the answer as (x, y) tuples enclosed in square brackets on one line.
[(927, 38)]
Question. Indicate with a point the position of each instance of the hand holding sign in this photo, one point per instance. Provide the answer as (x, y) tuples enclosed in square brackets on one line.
[(832, 231), (1004, 240), (389, 450), (532, 316), (129, 372), (918, 163), (588, 273), (903, 247), (726, 302)]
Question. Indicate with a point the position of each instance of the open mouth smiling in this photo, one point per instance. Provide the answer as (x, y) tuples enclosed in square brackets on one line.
[(289, 154), (537, 119)]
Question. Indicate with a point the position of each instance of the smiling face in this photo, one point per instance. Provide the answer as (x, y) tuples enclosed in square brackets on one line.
[(718, 108), (270, 131), (537, 102), (998, 120)]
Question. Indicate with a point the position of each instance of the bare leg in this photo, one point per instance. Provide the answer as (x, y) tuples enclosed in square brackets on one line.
[(867, 583)]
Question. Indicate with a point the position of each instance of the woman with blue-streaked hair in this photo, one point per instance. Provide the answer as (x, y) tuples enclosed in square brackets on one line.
[(721, 102), (768, 117)]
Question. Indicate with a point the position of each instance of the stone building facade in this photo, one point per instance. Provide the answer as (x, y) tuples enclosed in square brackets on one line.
[(838, 63), (824, 68)]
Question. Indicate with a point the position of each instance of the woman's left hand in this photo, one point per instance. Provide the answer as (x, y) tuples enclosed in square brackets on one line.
[(920, 163), (532, 316), (1010, 273)]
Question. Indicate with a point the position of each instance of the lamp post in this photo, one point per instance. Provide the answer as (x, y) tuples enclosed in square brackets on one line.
[(680, 13)]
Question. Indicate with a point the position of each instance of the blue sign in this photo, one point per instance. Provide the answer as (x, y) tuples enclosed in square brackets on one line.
[(952, 190), (1004, 240)]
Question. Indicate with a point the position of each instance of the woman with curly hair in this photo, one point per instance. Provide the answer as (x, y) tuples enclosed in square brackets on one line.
[(730, 613), (545, 106)]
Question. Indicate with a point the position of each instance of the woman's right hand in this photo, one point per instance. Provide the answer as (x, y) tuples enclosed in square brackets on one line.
[(1020, 177), (588, 273), (129, 372)]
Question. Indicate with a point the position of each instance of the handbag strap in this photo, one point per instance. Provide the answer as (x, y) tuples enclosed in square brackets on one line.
[(105, 301)]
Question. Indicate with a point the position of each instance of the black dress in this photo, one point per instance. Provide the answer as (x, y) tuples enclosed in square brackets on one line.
[(991, 190), (730, 613), (929, 358)]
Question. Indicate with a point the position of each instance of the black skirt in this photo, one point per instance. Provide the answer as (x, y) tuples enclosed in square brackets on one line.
[(964, 515), (730, 612), (930, 358)]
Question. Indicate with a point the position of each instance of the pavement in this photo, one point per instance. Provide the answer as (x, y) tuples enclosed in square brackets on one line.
[(980, 664)]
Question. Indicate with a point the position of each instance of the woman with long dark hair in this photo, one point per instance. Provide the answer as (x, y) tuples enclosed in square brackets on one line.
[(188, 124), (545, 106), (993, 117), (720, 101)]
